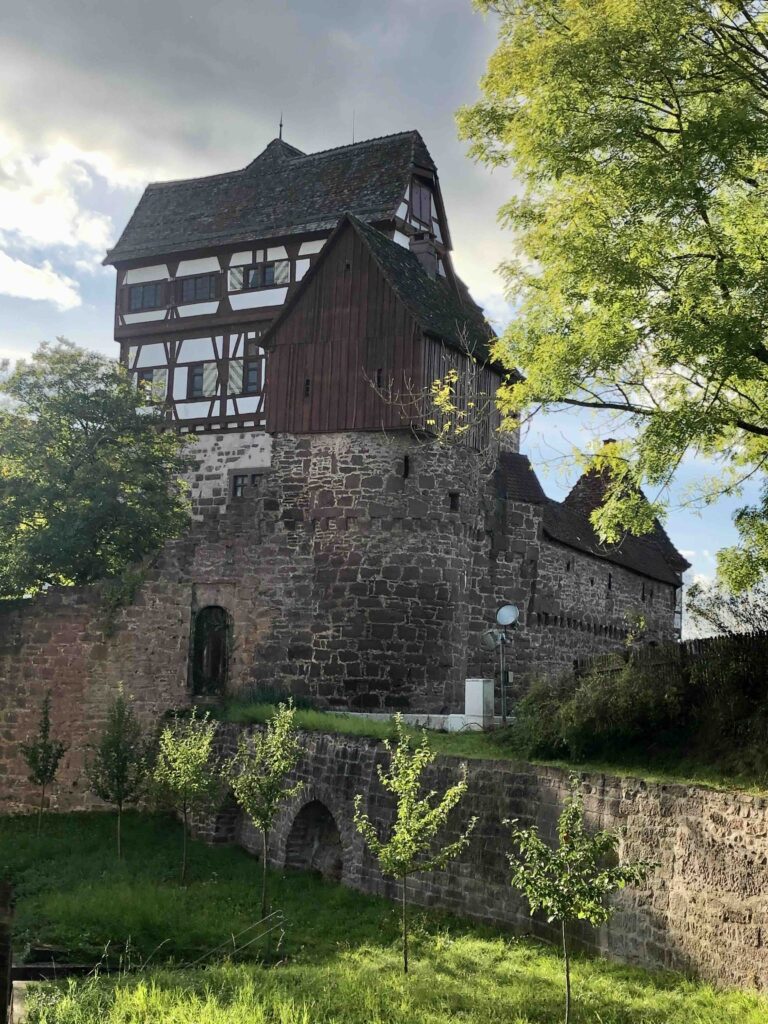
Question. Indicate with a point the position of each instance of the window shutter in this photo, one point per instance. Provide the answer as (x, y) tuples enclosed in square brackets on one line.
[(159, 385), (210, 379), (235, 376), (236, 279), (283, 272)]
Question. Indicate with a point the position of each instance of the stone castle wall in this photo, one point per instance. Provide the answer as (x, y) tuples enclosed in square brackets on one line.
[(704, 909), (360, 569)]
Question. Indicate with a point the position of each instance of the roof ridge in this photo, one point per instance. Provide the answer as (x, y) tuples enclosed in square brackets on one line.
[(364, 142), (301, 156)]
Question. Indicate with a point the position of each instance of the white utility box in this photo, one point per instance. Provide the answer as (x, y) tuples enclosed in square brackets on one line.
[(479, 702)]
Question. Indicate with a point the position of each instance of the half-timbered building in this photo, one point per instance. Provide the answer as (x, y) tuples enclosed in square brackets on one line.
[(290, 317)]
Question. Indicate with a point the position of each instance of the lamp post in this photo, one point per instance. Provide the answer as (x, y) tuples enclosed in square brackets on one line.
[(497, 639)]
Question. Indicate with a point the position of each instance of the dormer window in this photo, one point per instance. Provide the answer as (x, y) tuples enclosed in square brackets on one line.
[(146, 296), (421, 202), (201, 288)]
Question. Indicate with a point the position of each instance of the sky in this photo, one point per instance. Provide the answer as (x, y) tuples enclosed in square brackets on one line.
[(98, 97)]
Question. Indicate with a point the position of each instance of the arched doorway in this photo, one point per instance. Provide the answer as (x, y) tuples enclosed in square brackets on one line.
[(210, 651), (314, 842)]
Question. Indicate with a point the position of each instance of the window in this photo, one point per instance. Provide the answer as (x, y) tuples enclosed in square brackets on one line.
[(406, 466), (421, 202), (201, 288), (307, 387), (154, 383), (239, 482), (203, 380), (453, 501), (610, 581), (252, 377), (261, 275), (195, 389), (146, 296)]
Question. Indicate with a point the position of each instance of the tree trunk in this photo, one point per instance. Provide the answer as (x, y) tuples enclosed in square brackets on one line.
[(567, 978), (40, 810), (405, 927), (119, 831), (184, 848), (264, 847)]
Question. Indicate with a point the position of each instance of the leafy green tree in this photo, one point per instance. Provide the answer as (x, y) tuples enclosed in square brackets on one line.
[(258, 775), (184, 772), (89, 476), (638, 133), (571, 882), (42, 756), (713, 610), (118, 770), (419, 817)]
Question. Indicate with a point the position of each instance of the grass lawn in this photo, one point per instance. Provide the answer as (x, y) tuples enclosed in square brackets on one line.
[(339, 963), (651, 765)]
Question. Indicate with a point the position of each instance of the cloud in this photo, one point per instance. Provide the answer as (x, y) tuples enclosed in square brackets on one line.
[(24, 281), (43, 198)]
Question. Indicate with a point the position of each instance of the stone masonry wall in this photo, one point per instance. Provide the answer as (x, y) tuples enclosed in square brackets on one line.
[(704, 909), (361, 569)]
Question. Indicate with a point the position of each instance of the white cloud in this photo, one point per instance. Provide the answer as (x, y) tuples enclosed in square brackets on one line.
[(41, 199), (24, 281)]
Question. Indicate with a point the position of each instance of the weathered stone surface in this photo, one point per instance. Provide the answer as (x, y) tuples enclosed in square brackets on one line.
[(704, 909), (343, 578)]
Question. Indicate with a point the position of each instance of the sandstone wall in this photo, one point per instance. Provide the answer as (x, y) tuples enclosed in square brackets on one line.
[(361, 569), (703, 910)]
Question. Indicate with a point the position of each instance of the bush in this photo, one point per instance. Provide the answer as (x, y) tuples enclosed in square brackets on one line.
[(706, 699)]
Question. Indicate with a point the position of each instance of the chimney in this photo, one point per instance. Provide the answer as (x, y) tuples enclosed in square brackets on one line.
[(423, 248)]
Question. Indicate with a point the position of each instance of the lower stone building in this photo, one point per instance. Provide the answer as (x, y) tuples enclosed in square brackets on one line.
[(342, 552)]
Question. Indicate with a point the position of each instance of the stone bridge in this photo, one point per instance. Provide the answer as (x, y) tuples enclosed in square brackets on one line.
[(703, 910)]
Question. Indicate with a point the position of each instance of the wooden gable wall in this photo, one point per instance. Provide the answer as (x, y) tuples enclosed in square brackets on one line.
[(347, 324)]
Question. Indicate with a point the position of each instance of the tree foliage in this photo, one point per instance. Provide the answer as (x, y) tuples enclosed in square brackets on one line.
[(639, 133), (117, 771), (42, 755), (89, 478), (419, 817), (572, 881), (184, 773), (258, 776), (713, 610)]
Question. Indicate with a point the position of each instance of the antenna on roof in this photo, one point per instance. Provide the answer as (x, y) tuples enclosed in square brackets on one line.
[(353, 124), (280, 136)]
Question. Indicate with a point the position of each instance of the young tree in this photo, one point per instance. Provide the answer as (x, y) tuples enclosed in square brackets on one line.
[(570, 883), (638, 133), (118, 771), (419, 817), (258, 775), (42, 755), (89, 473), (184, 772)]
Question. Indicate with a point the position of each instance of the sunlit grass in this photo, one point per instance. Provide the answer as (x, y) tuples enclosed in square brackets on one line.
[(339, 962), (501, 744)]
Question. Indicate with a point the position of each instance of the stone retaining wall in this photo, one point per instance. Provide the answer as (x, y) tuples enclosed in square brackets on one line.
[(703, 910)]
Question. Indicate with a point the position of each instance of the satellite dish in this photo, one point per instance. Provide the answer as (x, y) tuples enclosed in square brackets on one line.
[(507, 615)]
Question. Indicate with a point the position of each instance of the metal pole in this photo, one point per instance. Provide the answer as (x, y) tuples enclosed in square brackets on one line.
[(502, 639)]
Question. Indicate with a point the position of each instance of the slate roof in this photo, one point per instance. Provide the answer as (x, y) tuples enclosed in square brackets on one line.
[(640, 554), (518, 480), (568, 525), (433, 302), (282, 192)]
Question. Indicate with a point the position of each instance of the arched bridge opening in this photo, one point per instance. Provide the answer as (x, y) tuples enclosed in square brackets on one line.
[(314, 842)]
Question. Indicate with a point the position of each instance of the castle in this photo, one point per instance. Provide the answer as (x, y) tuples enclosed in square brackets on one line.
[(288, 316)]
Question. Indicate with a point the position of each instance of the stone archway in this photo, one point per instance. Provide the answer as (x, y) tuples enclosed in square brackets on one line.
[(211, 643), (314, 842)]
